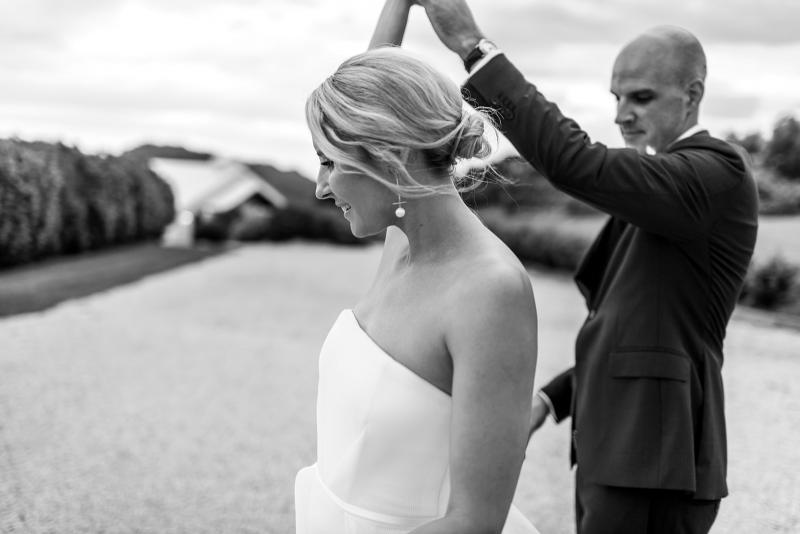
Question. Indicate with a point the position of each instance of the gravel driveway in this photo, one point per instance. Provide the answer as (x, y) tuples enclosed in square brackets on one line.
[(185, 402)]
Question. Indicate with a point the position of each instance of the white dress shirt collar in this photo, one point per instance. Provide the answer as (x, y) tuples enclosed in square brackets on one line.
[(690, 132)]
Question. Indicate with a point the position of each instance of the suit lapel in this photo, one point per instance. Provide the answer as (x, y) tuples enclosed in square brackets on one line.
[(592, 268)]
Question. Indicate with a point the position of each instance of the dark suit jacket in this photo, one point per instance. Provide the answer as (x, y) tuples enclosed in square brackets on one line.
[(660, 283)]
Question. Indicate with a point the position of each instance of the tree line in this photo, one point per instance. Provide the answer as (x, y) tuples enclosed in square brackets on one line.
[(56, 200), (781, 152)]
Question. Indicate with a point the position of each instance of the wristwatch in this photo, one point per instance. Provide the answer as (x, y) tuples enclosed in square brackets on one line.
[(484, 47)]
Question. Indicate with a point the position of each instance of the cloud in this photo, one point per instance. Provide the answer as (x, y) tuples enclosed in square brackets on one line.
[(233, 76), (732, 106), (43, 25), (547, 22)]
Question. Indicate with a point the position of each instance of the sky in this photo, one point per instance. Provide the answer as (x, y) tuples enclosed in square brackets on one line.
[(231, 76)]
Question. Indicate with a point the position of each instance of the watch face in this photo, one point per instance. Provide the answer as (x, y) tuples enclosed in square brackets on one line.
[(486, 46)]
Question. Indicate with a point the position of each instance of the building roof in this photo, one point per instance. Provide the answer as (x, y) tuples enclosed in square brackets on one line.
[(298, 189), (215, 185)]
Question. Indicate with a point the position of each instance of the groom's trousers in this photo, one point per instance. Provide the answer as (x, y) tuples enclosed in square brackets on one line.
[(603, 509)]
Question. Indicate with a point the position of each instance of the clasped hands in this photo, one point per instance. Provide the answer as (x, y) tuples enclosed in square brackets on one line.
[(453, 23)]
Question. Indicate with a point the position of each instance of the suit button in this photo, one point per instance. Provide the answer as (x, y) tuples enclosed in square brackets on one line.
[(592, 313)]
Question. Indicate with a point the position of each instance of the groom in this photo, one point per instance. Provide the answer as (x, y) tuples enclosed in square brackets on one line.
[(660, 281)]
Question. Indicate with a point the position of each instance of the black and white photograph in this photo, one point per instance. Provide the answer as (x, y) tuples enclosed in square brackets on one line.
[(399, 267)]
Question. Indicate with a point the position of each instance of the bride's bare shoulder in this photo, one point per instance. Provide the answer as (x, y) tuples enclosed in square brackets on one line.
[(495, 278), (492, 299)]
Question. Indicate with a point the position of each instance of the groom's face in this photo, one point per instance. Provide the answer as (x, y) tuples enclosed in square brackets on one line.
[(652, 105)]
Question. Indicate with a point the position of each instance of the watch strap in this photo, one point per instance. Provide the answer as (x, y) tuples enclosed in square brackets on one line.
[(480, 51)]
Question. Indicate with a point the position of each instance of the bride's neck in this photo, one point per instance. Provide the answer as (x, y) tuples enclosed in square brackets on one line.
[(436, 226)]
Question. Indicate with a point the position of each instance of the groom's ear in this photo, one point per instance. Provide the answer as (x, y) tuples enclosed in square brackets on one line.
[(695, 92)]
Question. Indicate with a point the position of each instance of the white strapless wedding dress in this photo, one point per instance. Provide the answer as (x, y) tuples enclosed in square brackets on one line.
[(383, 440)]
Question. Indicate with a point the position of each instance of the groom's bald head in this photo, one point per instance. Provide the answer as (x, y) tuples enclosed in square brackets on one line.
[(659, 81), (676, 51)]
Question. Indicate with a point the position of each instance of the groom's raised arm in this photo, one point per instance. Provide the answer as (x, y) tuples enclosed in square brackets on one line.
[(391, 25), (675, 195)]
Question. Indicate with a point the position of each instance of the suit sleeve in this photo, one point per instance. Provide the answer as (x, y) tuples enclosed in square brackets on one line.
[(672, 194), (559, 391)]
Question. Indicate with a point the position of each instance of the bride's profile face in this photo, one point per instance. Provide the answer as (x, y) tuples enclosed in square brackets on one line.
[(365, 203)]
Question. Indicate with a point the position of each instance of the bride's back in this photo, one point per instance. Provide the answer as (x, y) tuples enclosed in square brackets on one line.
[(410, 305)]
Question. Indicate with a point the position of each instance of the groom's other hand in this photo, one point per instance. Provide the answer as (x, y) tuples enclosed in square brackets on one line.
[(539, 412), (454, 24)]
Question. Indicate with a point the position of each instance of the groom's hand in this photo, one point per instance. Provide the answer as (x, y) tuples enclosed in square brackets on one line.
[(453, 23), (539, 413)]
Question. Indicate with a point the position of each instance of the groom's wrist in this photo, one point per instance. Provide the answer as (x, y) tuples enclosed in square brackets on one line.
[(483, 51)]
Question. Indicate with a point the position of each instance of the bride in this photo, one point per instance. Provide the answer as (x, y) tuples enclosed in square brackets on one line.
[(425, 384)]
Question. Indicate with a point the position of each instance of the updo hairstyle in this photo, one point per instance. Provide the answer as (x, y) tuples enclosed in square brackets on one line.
[(380, 105)]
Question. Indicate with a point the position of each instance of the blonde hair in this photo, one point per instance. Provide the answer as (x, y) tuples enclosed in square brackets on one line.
[(381, 105)]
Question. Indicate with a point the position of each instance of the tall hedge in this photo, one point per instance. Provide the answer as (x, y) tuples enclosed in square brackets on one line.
[(783, 150), (513, 184), (54, 199), (154, 204)]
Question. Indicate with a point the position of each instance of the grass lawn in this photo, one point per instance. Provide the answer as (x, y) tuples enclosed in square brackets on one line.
[(777, 236), (41, 285), (38, 286)]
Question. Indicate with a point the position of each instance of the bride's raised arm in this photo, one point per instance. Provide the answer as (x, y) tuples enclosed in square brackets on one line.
[(391, 24)]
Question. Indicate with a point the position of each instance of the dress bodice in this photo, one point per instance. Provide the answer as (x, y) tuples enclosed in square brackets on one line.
[(383, 432), (383, 444)]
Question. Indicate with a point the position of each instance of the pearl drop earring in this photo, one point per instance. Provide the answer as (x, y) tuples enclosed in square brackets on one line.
[(400, 212)]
